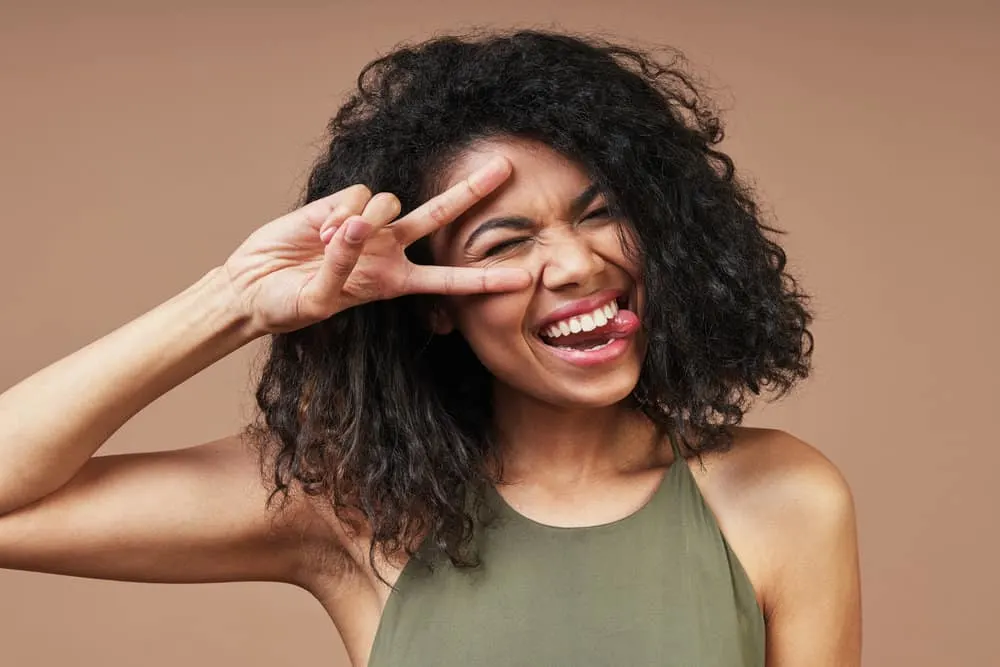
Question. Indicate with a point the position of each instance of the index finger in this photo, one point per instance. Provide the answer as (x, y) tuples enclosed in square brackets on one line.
[(444, 208)]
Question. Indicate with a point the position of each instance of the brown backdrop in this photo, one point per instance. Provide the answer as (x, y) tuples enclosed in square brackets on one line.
[(140, 146)]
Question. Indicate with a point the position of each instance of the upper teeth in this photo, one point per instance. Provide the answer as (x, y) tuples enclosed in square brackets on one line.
[(587, 322)]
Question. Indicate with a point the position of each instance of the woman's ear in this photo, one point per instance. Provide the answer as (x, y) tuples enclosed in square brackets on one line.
[(440, 320)]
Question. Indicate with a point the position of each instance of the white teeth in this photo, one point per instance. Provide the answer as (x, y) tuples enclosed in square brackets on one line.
[(588, 349), (599, 317)]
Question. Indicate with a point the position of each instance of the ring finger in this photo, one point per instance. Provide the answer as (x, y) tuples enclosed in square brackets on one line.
[(382, 209), (378, 212)]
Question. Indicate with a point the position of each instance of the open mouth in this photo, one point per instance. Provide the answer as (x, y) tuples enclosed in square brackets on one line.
[(591, 331)]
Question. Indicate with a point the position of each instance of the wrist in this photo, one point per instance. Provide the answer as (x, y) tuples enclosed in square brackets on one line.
[(225, 307)]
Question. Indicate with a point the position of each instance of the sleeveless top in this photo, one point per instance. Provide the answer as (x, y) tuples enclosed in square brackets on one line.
[(658, 587)]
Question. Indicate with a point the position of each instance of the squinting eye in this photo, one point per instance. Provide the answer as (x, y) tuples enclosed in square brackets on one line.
[(602, 212), (504, 246)]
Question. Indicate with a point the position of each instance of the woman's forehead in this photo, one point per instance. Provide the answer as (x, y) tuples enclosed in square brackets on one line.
[(542, 181), (533, 161), (540, 177)]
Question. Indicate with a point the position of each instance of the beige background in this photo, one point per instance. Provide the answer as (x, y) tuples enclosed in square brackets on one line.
[(140, 146)]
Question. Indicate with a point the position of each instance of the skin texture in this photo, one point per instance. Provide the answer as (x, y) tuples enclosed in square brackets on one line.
[(569, 258), (569, 255), (575, 454), (197, 514)]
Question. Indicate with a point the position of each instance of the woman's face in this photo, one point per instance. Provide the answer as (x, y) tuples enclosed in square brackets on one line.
[(572, 337)]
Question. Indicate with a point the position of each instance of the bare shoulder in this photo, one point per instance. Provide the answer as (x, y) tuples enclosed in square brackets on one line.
[(777, 472), (778, 499)]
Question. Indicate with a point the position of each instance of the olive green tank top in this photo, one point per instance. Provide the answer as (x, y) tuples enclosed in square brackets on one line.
[(658, 587)]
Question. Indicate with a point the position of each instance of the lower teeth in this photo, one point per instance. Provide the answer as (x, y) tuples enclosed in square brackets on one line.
[(586, 349)]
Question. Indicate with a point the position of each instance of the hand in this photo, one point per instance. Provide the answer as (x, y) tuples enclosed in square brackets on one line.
[(340, 251)]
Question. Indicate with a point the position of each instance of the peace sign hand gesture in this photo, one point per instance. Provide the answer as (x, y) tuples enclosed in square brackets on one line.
[(340, 251)]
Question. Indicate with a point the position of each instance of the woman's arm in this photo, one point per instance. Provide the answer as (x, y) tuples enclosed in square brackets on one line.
[(788, 514), (199, 514), (187, 515), (52, 422), (813, 600)]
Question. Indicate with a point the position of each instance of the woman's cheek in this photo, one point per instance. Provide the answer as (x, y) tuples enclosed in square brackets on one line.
[(489, 318), (619, 244)]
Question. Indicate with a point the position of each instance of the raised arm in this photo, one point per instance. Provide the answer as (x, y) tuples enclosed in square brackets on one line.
[(194, 514), (199, 513), (54, 421)]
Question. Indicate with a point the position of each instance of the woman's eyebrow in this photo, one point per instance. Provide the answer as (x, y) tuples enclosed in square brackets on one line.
[(520, 223), (516, 222), (582, 200)]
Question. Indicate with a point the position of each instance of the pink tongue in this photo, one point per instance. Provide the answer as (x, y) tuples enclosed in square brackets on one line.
[(624, 323)]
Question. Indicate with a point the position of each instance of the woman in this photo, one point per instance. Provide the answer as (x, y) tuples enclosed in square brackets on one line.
[(514, 330)]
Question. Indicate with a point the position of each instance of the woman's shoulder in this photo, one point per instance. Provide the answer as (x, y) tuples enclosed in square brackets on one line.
[(774, 467), (777, 499)]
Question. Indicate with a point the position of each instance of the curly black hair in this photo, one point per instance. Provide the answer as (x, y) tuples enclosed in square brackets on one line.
[(392, 424)]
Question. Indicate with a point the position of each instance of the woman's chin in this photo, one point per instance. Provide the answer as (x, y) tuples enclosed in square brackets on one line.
[(595, 394), (545, 377), (595, 400)]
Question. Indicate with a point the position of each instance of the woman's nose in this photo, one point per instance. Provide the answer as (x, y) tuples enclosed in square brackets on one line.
[(570, 260)]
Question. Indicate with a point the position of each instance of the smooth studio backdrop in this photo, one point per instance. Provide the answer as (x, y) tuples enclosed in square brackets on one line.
[(142, 142)]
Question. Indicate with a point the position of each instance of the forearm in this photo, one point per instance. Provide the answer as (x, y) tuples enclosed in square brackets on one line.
[(52, 422)]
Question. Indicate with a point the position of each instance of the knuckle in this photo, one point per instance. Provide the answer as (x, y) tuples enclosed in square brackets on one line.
[(473, 189), (389, 199), (406, 281), (361, 190), (438, 212), (346, 257), (387, 204), (357, 196), (359, 286), (341, 270)]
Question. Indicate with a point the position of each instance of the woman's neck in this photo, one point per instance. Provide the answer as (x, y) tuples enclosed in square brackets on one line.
[(565, 446)]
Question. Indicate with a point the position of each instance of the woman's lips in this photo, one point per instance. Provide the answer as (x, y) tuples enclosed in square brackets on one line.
[(621, 324), (618, 334), (580, 307)]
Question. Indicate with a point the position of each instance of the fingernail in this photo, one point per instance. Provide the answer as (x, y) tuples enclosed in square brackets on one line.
[(327, 233), (357, 230)]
